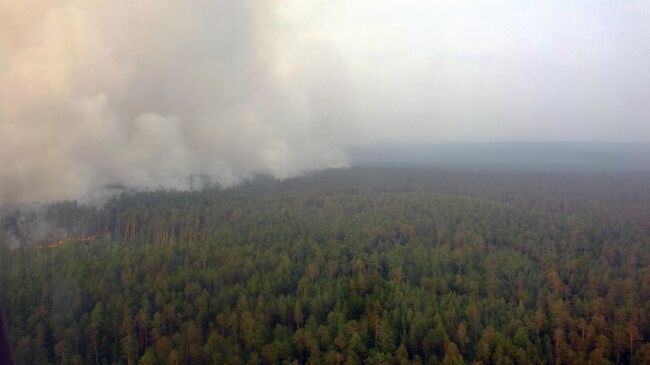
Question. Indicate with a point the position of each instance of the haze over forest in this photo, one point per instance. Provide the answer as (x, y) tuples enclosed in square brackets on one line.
[(305, 182), (147, 93)]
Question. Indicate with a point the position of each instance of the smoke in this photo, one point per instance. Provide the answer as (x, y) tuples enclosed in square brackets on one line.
[(146, 93)]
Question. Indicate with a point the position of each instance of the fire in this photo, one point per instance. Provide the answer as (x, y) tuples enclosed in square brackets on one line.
[(60, 243)]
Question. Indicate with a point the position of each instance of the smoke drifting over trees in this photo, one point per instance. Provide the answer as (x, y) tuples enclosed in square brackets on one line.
[(146, 93)]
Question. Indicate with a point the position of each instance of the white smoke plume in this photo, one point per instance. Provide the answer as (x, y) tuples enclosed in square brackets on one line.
[(144, 93)]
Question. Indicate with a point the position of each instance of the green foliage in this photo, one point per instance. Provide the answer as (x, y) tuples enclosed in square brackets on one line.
[(357, 266)]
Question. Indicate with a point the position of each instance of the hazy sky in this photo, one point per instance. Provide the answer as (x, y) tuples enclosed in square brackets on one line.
[(146, 92), (490, 70)]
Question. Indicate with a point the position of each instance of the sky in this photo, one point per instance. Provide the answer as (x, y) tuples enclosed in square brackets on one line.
[(497, 70), (146, 93)]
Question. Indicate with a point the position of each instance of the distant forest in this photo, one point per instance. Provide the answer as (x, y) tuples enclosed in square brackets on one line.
[(369, 265)]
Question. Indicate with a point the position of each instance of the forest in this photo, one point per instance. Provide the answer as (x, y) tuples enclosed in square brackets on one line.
[(367, 265)]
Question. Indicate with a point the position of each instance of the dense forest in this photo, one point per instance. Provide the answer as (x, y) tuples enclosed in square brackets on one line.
[(353, 266)]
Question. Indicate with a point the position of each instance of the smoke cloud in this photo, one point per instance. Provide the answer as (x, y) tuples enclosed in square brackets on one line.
[(146, 93)]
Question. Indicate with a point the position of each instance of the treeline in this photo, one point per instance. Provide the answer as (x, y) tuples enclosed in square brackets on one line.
[(159, 216), (359, 266)]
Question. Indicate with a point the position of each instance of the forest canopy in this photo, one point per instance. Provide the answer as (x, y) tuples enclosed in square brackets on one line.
[(353, 266)]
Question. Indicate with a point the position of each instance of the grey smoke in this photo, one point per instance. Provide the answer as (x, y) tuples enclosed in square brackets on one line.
[(146, 93)]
